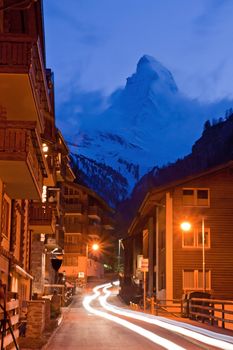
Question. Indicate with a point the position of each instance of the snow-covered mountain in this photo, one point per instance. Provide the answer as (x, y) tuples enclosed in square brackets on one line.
[(149, 123)]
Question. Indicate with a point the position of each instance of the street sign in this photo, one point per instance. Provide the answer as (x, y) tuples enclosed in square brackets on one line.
[(144, 265), (139, 261)]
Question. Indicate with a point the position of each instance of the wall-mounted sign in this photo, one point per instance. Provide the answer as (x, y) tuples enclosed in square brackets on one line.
[(145, 265)]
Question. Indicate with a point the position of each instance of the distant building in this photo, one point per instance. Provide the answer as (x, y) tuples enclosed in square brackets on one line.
[(87, 221), (176, 257)]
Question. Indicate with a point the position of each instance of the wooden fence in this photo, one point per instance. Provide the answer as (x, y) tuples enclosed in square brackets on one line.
[(213, 311), (8, 323)]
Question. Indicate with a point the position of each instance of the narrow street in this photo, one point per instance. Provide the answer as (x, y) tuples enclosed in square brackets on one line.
[(92, 323)]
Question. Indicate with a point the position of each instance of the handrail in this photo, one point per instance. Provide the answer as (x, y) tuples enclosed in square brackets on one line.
[(208, 309), (212, 310)]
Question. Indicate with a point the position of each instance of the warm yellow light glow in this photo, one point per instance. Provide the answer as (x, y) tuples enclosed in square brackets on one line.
[(185, 226), (95, 246), (45, 148)]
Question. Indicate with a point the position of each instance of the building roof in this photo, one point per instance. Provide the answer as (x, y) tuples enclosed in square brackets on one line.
[(91, 193)]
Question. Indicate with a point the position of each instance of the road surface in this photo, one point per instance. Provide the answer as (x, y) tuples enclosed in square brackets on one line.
[(93, 323)]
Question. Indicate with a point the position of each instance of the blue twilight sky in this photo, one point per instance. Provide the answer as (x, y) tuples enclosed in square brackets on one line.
[(94, 45)]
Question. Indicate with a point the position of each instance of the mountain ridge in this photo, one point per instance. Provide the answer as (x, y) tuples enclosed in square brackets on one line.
[(148, 123), (213, 148)]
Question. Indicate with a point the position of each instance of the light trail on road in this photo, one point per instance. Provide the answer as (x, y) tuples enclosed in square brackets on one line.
[(209, 338), (167, 344)]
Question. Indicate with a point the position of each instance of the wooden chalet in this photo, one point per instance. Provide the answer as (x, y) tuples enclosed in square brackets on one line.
[(88, 220), (176, 257), (33, 154)]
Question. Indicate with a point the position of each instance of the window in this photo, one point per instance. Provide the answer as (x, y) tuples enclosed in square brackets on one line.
[(192, 280), (196, 197), (75, 261), (67, 261), (69, 239), (5, 217), (193, 238)]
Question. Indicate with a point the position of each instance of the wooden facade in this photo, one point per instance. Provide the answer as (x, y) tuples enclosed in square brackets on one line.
[(24, 102), (87, 221), (176, 266), (33, 154)]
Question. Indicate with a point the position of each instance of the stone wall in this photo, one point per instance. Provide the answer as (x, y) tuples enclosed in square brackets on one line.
[(38, 317), (37, 264)]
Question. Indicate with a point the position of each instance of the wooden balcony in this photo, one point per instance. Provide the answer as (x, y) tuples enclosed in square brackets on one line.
[(23, 86), (64, 171), (42, 218), (51, 180), (80, 249), (95, 212), (22, 163), (74, 228), (108, 223), (72, 208), (94, 230)]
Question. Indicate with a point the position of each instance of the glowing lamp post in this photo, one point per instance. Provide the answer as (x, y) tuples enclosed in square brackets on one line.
[(95, 247), (186, 226)]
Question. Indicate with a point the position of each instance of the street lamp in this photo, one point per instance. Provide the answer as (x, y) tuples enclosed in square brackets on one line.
[(95, 247), (186, 226)]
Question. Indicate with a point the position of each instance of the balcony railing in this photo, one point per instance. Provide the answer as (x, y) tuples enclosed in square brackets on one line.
[(41, 218), (63, 169), (95, 212), (76, 208), (51, 180), (20, 145), (108, 223), (22, 55), (94, 230), (74, 228), (75, 248)]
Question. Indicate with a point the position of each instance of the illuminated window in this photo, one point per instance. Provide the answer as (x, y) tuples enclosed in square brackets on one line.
[(192, 280), (193, 238), (44, 194), (196, 197)]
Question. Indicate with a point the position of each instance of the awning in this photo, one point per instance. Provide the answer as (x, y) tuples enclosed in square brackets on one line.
[(22, 272)]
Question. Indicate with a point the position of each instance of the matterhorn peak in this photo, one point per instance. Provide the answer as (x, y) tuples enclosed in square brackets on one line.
[(149, 68)]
